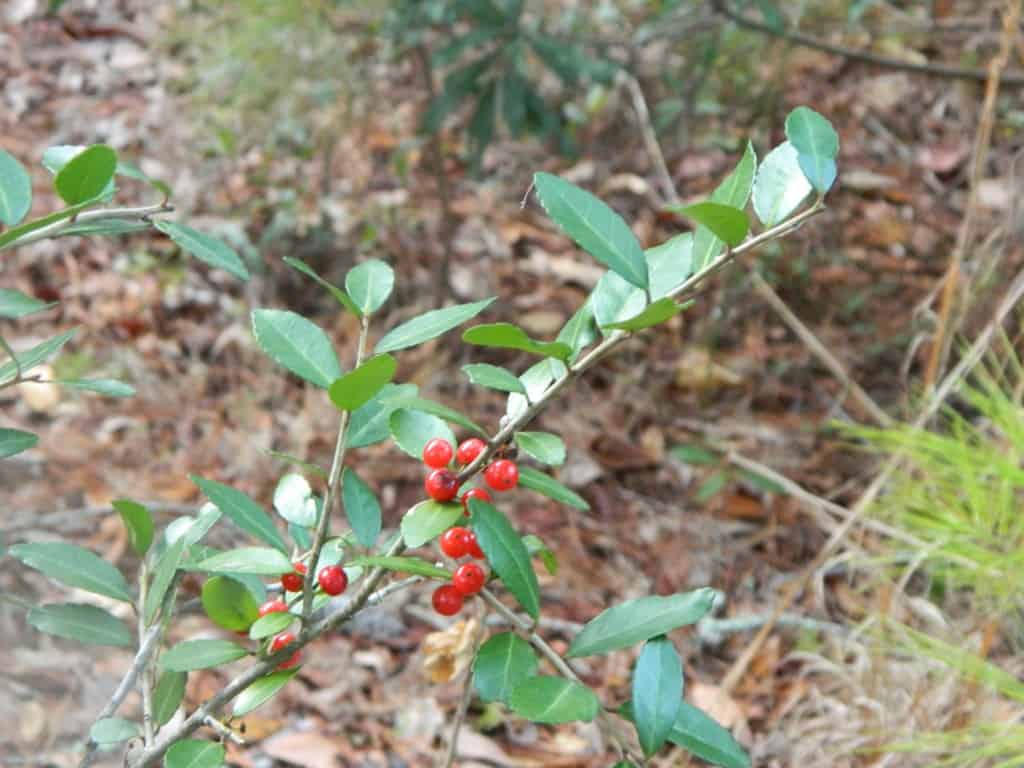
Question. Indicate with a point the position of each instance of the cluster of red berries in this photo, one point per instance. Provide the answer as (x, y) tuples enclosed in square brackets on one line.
[(468, 579), (442, 484)]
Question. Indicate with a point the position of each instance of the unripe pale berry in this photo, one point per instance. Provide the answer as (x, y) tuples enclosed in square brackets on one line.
[(469, 579), (441, 485), (292, 582), (469, 450), (437, 453), (447, 600), (502, 475), (332, 579)]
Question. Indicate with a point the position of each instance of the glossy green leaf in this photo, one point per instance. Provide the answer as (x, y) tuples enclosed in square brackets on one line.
[(194, 528), (104, 227), (370, 284), (537, 548), (163, 575), (13, 441), (34, 356), (15, 190), (509, 336), (271, 624), (636, 621), (428, 520), (86, 175), (15, 304), (261, 691), (243, 511), (655, 314), (669, 264), (204, 247), (369, 424), (820, 171), (493, 377), (113, 730), (413, 566), (167, 695), (780, 185), (542, 446), (657, 692), (506, 554), (442, 412), (361, 507), (536, 379), (357, 387), (194, 753), (294, 501), (297, 344), (75, 567), (594, 226), (83, 623), (413, 429), (725, 222), (553, 700), (430, 325), (697, 733), (501, 663), (579, 331), (139, 523), (614, 300), (546, 485), (817, 146), (259, 560), (734, 191), (339, 295), (229, 603), (107, 387), (201, 654)]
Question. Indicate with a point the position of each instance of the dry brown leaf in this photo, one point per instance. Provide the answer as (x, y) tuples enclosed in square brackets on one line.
[(717, 703), (40, 398), (698, 371), (447, 653), (310, 749)]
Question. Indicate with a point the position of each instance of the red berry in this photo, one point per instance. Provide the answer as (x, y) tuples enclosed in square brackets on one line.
[(437, 453), (292, 582), (474, 493), (280, 641), (455, 542), (441, 485), (502, 475), (469, 579), (469, 450), (332, 579), (447, 600), (292, 662), (273, 606), (473, 547)]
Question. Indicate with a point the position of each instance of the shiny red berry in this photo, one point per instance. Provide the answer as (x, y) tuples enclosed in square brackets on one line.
[(447, 600), (437, 453), (292, 662), (292, 582), (469, 579), (474, 493), (281, 641), (332, 579), (441, 485), (469, 450), (473, 547), (502, 475), (273, 606), (455, 542)]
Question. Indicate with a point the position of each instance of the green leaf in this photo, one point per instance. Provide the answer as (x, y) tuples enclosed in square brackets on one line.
[(817, 145), (669, 264), (734, 192), (259, 560), (542, 446), (295, 502), (780, 186), (579, 332), (15, 304), (654, 314), (361, 507), (108, 387), (369, 424), (290, 459), (430, 325), (427, 520), (725, 222), (194, 753), (492, 376), (229, 603), (614, 300), (500, 664), (104, 227), (261, 691), (536, 379), (506, 554), (340, 296), (14, 233), (635, 621), (594, 226), (711, 487), (139, 523), (13, 441), (15, 190), (695, 454), (820, 171), (167, 696), (75, 567), (508, 336), (548, 486), (297, 344), (553, 700), (193, 529), (113, 730), (204, 247), (443, 412), (86, 175), (537, 548), (243, 511), (414, 566), (84, 623), (200, 654), (370, 284), (163, 575), (697, 733), (657, 692), (271, 624), (33, 357), (357, 387), (413, 429)]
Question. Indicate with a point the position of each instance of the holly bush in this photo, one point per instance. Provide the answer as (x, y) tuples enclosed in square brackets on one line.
[(275, 591)]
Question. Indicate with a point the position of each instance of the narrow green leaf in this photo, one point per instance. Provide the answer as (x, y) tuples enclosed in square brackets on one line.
[(339, 295), (502, 663), (14, 233), (86, 175), (243, 511), (259, 560), (414, 566), (614, 300), (200, 654), (163, 575), (76, 567), (370, 284), (357, 387), (430, 325), (295, 502), (107, 387), (509, 336), (506, 554), (13, 441), (261, 691), (33, 357), (548, 486), (542, 446), (537, 548), (734, 191), (84, 623), (412, 429), (553, 700), (15, 190), (194, 753), (427, 520), (695, 454), (443, 412), (669, 264), (635, 621), (204, 247), (493, 377), (113, 730), (229, 603), (594, 226), (271, 624), (697, 733), (654, 314), (297, 344), (104, 227), (725, 222), (579, 331), (369, 424), (139, 523), (15, 304), (780, 185), (657, 693), (361, 507), (167, 695)]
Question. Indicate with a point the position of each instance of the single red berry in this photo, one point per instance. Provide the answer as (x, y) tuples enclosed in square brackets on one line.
[(502, 475), (473, 547), (474, 493), (273, 606), (292, 662), (281, 641), (469, 579), (332, 579), (447, 600), (441, 485), (469, 450), (292, 582), (437, 453), (455, 542)]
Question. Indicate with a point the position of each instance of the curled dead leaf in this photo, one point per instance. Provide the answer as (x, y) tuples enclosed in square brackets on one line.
[(697, 370), (448, 653), (40, 398)]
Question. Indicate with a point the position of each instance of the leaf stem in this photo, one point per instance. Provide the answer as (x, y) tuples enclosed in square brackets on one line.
[(58, 227)]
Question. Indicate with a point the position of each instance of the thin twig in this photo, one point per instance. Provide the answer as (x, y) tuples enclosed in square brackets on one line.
[(144, 678), (460, 714), (102, 214), (223, 731)]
